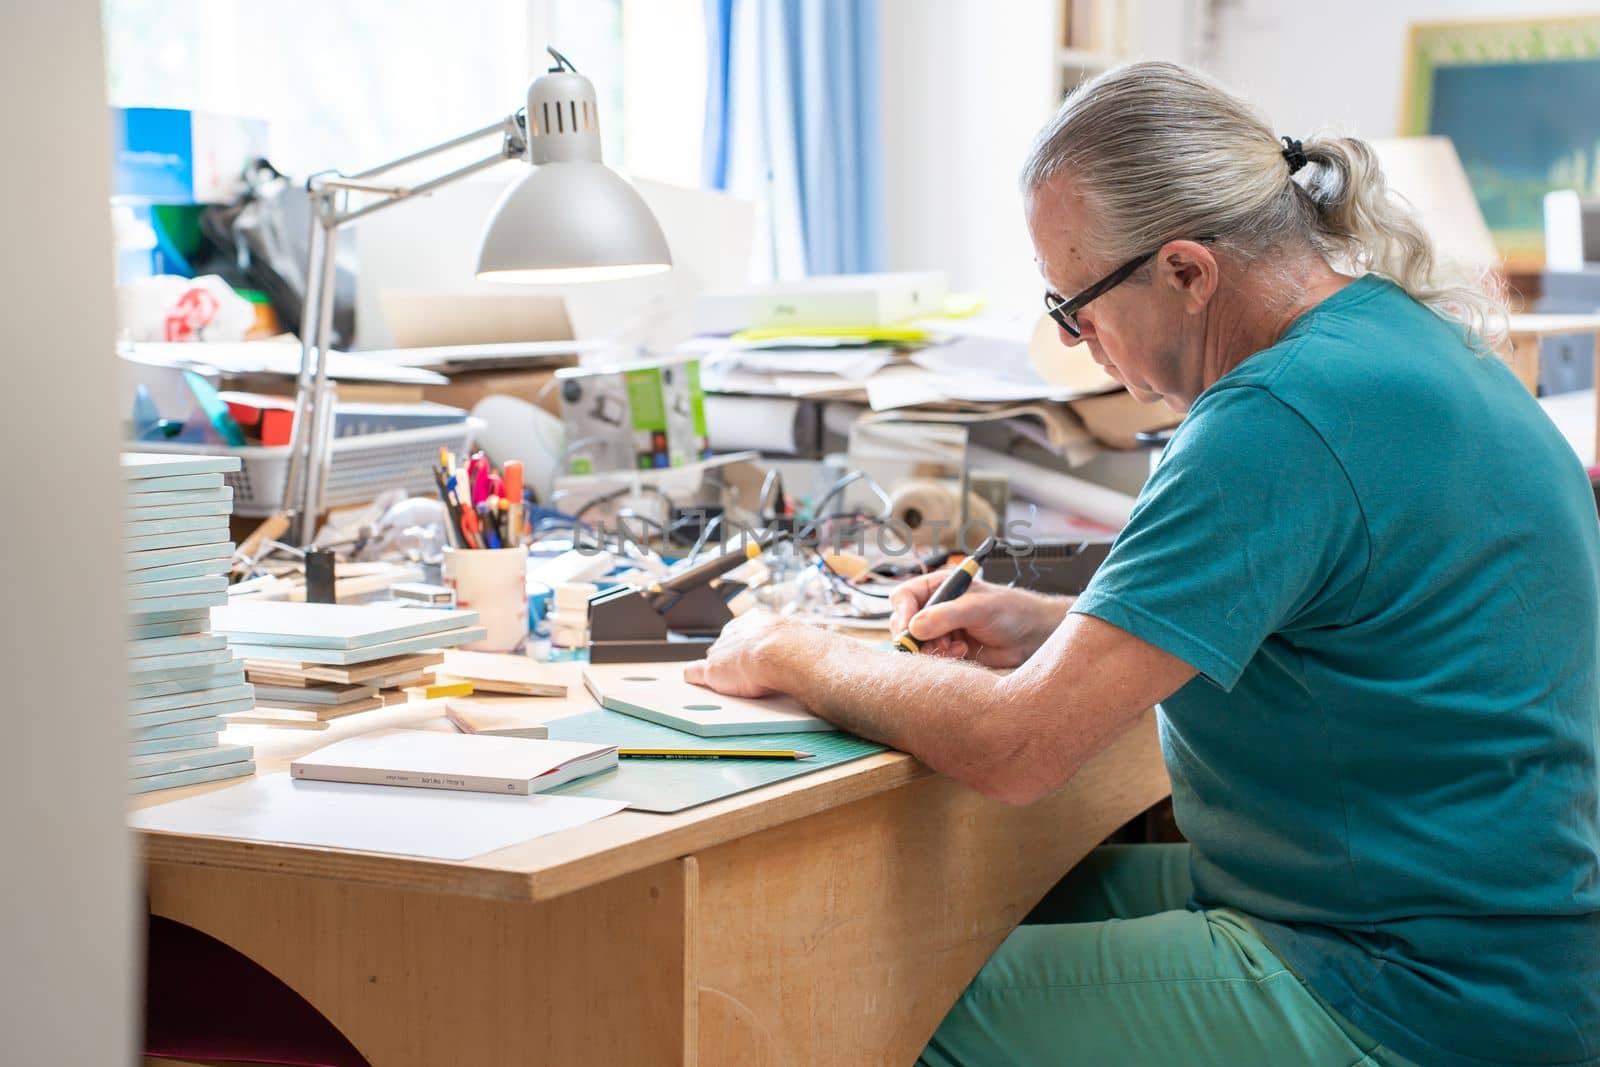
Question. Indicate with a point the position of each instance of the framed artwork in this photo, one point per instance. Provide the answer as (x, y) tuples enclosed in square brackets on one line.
[(1518, 98)]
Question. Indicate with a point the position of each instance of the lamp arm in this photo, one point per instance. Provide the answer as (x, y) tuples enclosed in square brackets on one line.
[(313, 423)]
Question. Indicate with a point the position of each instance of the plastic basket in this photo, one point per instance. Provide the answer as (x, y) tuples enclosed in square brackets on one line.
[(359, 468)]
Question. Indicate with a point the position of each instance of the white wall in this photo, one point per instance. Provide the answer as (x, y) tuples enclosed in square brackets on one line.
[(67, 932), (1311, 65), (966, 85)]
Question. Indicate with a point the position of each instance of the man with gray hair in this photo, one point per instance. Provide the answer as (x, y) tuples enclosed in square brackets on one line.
[(1363, 587)]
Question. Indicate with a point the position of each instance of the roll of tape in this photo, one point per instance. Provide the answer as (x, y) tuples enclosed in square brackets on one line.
[(929, 511)]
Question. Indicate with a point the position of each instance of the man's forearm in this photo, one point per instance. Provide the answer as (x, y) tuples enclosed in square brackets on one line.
[(950, 714)]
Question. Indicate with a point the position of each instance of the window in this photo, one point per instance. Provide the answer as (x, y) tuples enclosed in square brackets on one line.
[(351, 83)]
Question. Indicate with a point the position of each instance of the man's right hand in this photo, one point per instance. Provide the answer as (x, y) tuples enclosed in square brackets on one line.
[(996, 625)]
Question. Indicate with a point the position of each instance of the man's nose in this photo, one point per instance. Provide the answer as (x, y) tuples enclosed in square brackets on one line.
[(1085, 332)]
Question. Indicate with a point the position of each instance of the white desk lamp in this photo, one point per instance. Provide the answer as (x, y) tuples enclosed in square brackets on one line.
[(570, 219)]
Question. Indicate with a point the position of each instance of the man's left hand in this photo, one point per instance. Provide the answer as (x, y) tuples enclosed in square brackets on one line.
[(739, 664)]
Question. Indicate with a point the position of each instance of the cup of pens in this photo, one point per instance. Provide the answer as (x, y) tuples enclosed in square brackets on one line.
[(486, 563)]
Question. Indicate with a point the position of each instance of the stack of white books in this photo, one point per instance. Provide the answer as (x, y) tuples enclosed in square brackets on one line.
[(183, 677)]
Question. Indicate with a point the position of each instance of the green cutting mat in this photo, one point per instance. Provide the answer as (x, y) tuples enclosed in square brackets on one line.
[(668, 785)]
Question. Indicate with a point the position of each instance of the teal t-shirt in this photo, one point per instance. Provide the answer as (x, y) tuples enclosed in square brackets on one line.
[(1384, 561)]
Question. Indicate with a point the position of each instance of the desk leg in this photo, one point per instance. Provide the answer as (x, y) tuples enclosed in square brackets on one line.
[(1525, 360), (594, 977), (844, 938)]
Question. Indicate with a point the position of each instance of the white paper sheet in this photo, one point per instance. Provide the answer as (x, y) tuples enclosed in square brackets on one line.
[(433, 823)]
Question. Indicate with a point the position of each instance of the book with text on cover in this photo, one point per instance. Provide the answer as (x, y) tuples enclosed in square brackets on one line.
[(432, 760)]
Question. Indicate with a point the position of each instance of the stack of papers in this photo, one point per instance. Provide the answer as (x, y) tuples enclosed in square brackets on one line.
[(958, 364), (183, 676)]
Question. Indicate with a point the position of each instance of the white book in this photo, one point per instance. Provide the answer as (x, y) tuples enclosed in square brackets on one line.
[(835, 301), (475, 763)]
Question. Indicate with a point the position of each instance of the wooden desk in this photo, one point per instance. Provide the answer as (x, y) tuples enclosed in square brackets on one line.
[(1527, 330), (833, 918)]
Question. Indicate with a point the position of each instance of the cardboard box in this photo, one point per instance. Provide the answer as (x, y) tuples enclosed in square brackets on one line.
[(169, 156), (535, 385), (643, 416), (1114, 418), (831, 301)]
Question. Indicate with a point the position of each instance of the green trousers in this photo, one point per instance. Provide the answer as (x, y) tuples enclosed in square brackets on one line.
[(1110, 969)]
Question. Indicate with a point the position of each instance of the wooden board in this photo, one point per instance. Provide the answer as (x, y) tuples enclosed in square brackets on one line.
[(188, 489), (215, 565), (376, 669), (162, 646), (176, 511), (311, 694), (276, 719), (491, 672), (177, 483), (175, 661), (166, 556), (596, 978), (283, 710), (200, 583), (215, 541), (139, 468), (657, 692), (135, 527), (346, 657), (332, 626)]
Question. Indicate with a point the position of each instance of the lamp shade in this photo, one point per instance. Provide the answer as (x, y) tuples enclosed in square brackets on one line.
[(571, 221)]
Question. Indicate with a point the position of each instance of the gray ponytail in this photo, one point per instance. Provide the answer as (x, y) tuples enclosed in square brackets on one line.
[(1160, 152)]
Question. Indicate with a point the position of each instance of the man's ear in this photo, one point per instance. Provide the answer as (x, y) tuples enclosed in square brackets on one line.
[(1191, 270)]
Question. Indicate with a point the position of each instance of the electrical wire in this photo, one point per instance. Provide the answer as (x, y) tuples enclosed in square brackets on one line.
[(617, 494)]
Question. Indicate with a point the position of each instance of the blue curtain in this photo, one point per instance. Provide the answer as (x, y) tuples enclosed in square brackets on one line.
[(792, 122)]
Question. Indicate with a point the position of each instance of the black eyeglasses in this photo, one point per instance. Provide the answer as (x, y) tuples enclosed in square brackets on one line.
[(1065, 311)]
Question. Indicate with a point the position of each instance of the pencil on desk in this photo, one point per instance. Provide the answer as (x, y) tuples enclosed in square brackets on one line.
[(711, 753)]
